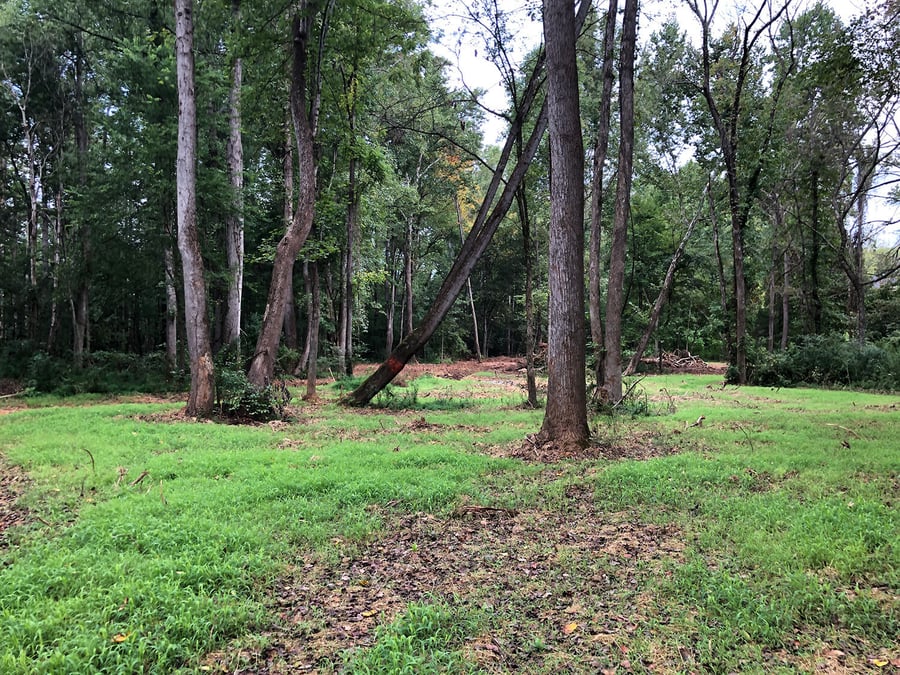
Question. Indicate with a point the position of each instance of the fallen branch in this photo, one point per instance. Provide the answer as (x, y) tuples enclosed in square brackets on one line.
[(18, 393), (849, 431), (462, 510), (137, 480), (93, 464)]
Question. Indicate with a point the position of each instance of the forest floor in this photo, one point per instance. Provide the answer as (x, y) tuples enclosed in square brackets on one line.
[(718, 531)]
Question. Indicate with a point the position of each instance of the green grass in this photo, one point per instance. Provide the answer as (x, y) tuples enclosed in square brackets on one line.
[(787, 502)]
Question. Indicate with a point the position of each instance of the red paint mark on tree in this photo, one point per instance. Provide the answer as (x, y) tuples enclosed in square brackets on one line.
[(394, 364)]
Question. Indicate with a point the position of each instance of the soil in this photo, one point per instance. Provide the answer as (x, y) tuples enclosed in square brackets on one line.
[(570, 576), (12, 484)]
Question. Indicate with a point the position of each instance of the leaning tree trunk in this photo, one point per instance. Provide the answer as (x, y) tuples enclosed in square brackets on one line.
[(202, 393), (476, 242), (661, 298), (615, 303), (262, 366), (468, 283), (486, 223), (234, 221), (600, 151)]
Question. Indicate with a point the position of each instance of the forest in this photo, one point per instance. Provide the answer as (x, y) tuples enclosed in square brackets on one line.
[(330, 194)]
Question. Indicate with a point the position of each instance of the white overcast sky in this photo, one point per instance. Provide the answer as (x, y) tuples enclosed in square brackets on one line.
[(462, 47)]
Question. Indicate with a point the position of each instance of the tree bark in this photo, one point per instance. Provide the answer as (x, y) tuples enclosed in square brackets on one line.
[(785, 300), (528, 252), (615, 294), (565, 418), (262, 366), (202, 393), (601, 149), (234, 220)]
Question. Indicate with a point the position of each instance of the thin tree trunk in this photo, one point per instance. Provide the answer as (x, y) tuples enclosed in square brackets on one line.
[(615, 302), (234, 220), (289, 327), (262, 366), (785, 299), (601, 148), (565, 417), (202, 394), (407, 280), (662, 297), (171, 305), (468, 283), (720, 271), (528, 251), (390, 293), (859, 281), (312, 340)]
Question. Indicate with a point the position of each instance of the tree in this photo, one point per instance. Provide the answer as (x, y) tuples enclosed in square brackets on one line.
[(615, 298), (727, 109), (304, 103), (565, 419), (202, 394)]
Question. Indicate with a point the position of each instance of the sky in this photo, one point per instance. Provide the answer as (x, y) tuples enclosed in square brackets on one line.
[(468, 66)]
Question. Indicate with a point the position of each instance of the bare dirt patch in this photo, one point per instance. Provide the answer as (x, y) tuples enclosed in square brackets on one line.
[(570, 578), (12, 484), (634, 445)]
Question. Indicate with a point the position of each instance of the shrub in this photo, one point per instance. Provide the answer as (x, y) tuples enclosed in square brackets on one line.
[(240, 399), (827, 361)]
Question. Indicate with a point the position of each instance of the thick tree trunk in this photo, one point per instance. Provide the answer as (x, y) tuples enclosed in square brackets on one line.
[(262, 366), (202, 393), (80, 299), (601, 148), (661, 298), (234, 220), (615, 294), (565, 418)]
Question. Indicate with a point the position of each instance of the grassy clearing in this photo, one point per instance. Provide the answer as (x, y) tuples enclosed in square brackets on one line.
[(766, 543)]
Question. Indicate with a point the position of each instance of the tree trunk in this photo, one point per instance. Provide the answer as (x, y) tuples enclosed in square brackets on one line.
[(476, 242), (662, 297), (202, 393), (171, 308), (723, 286), (234, 220), (785, 300), (262, 366), (528, 251), (486, 222), (615, 297), (407, 280), (468, 282), (601, 148), (390, 297), (565, 418), (312, 339)]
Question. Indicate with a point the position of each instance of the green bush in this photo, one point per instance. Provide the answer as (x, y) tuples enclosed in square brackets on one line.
[(240, 399), (826, 361)]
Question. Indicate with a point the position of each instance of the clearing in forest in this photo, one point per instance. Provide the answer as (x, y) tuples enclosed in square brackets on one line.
[(709, 529)]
